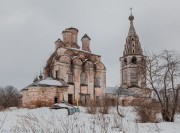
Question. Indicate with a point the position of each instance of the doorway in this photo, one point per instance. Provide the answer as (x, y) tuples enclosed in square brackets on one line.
[(55, 99), (70, 98)]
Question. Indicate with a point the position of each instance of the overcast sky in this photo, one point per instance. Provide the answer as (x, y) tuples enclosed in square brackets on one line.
[(29, 28)]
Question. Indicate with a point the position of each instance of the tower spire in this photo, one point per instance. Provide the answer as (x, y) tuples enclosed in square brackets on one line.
[(132, 31)]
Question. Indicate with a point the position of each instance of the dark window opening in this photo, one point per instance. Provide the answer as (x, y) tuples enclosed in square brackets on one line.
[(55, 99), (132, 39), (133, 51), (48, 73), (56, 76), (134, 60)]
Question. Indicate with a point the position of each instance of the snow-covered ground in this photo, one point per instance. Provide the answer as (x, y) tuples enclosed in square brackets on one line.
[(42, 120)]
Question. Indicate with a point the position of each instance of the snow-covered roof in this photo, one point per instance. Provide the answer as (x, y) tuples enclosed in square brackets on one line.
[(123, 91), (111, 90), (82, 51), (50, 82), (120, 91), (47, 82)]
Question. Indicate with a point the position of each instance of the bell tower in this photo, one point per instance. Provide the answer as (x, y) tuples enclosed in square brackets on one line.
[(133, 62)]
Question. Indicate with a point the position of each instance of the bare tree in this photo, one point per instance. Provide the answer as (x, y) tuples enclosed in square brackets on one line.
[(162, 75), (9, 96), (117, 101)]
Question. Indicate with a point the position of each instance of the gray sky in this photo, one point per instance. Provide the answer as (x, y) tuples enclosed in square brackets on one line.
[(29, 28)]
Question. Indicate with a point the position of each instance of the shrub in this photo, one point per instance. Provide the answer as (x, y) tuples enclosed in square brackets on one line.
[(104, 106), (147, 112), (92, 107)]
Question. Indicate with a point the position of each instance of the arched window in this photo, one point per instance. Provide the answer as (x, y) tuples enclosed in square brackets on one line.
[(132, 39), (134, 60), (83, 78), (133, 51)]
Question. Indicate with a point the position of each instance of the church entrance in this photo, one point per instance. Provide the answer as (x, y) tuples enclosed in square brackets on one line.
[(55, 99), (70, 98)]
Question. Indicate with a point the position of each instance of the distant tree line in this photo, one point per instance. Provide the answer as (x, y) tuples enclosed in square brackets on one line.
[(9, 97)]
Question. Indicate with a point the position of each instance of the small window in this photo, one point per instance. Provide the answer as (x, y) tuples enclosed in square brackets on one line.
[(132, 39), (133, 51), (48, 73), (134, 60), (57, 74)]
